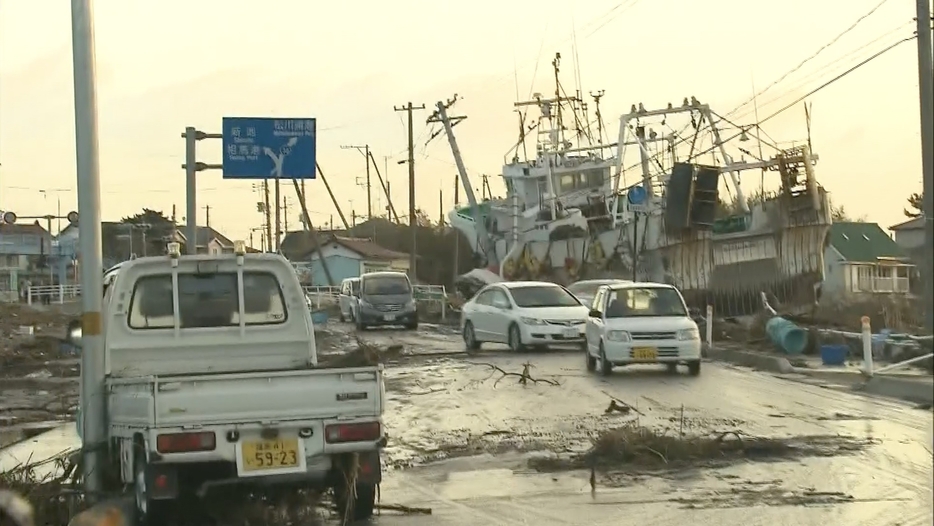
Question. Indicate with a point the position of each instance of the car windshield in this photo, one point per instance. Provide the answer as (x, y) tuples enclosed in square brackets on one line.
[(206, 300), (378, 285), (645, 301), (543, 296), (586, 288)]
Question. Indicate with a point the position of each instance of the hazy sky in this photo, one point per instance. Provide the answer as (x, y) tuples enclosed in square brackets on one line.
[(175, 63)]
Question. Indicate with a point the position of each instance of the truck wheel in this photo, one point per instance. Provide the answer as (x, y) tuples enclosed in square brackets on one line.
[(148, 512), (363, 503), (591, 361)]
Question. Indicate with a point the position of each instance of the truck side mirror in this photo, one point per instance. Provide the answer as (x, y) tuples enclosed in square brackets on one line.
[(595, 314)]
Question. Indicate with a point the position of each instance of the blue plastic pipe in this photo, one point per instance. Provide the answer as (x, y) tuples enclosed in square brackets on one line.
[(787, 336)]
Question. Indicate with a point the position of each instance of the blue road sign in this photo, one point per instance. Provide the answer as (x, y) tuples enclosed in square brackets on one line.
[(269, 148), (636, 195)]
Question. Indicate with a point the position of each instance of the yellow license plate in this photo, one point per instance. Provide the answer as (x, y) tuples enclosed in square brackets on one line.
[(263, 455), (644, 353)]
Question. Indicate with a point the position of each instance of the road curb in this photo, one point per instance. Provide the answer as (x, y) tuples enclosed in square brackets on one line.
[(917, 390), (909, 388), (756, 360), (111, 512)]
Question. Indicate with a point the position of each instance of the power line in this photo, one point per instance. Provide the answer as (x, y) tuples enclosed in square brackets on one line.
[(793, 103), (823, 71), (812, 56), (819, 88)]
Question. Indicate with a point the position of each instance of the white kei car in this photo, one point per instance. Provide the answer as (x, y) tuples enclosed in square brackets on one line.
[(634, 323), (523, 314)]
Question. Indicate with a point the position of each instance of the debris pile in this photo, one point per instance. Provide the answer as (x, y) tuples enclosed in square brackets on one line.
[(363, 355), (633, 445), (48, 486)]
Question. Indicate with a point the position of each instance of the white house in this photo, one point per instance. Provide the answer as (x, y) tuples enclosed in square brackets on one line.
[(861, 259)]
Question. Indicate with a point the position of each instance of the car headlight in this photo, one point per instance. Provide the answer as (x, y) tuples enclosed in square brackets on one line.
[(618, 336), (531, 321), (411, 303), (688, 334)]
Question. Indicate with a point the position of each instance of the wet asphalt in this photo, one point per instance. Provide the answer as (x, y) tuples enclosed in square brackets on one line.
[(461, 435)]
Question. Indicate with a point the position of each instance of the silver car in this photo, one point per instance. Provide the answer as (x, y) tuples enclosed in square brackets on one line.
[(586, 289)]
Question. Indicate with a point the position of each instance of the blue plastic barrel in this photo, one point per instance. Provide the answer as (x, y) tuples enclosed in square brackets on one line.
[(834, 354), (787, 336)]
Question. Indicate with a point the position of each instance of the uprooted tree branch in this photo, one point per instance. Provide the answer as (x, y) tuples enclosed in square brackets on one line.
[(524, 377)]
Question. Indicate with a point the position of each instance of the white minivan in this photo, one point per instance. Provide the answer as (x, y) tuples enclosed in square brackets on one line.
[(635, 323), (347, 299)]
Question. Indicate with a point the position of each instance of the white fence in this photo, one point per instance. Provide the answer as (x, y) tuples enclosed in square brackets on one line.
[(52, 293)]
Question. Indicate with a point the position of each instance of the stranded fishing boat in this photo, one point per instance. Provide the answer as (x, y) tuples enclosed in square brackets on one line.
[(576, 208)]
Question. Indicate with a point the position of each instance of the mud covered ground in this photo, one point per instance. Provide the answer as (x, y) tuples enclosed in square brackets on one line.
[(498, 438)]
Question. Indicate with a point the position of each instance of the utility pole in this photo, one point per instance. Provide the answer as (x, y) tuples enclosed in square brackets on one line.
[(926, 89), (266, 212), (93, 436), (207, 216), (365, 150), (413, 224), (391, 210), (486, 248), (285, 211)]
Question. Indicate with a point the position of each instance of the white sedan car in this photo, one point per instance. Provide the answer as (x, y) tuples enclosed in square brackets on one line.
[(632, 323), (523, 314)]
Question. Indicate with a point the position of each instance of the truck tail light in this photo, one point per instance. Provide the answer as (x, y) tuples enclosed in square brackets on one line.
[(364, 432), (185, 442)]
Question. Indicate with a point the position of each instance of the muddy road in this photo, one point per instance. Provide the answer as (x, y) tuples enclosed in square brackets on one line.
[(476, 445), (479, 442)]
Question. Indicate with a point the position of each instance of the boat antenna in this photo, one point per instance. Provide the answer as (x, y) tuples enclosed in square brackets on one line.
[(556, 64), (596, 101)]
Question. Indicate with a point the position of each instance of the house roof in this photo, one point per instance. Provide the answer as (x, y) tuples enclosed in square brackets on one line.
[(367, 248), (204, 236), (23, 229), (912, 224), (863, 242), (363, 246)]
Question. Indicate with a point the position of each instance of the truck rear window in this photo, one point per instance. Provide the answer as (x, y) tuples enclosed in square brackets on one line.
[(206, 300)]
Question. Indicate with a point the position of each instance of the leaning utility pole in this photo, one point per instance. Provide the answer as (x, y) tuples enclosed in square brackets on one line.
[(365, 150), (413, 224), (926, 88), (487, 250), (385, 187)]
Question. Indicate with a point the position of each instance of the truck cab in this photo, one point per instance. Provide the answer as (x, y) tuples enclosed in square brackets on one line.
[(212, 379)]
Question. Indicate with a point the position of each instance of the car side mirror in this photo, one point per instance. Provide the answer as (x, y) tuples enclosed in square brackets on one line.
[(595, 314), (73, 333)]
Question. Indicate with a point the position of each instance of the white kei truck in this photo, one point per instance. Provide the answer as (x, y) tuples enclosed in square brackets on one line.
[(212, 379)]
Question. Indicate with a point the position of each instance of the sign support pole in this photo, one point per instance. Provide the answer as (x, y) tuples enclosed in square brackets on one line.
[(92, 422)]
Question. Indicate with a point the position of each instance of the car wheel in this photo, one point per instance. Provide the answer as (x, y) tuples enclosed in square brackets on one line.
[(412, 326), (591, 361), (360, 325), (694, 368), (148, 512), (470, 337), (672, 368), (341, 317), (515, 338), (362, 505), (603, 365)]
